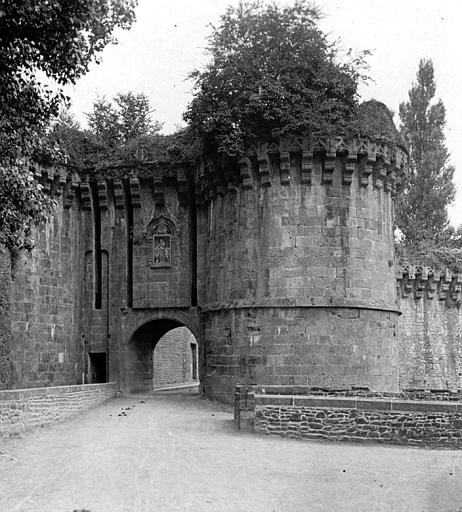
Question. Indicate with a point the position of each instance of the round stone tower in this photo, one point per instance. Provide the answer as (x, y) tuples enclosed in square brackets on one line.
[(299, 275)]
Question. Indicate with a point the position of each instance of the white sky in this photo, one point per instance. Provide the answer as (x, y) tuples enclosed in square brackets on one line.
[(168, 39)]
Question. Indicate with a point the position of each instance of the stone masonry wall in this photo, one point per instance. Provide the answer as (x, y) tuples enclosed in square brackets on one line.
[(300, 279), (163, 283), (338, 347), (294, 277), (141, 288), (427, 428), (430, 329), (394, 421), (45, 348), (173, 357), (299, 244), (25, 409)]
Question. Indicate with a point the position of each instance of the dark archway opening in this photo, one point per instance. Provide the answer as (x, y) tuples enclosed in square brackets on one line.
[(166, 354)]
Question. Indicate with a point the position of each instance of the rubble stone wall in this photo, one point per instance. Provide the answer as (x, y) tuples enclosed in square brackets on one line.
[(351, 418), (25, 409)]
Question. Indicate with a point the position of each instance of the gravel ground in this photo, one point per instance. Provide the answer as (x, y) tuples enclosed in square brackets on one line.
[(173, 451)]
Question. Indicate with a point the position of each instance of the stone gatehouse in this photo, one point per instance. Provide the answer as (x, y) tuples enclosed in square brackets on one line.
[(282, 266)]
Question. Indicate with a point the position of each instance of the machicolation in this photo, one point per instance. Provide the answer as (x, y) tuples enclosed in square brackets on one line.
[(280, 263)]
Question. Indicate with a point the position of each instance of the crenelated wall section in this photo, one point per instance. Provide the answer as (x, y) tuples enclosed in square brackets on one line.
[(300, 280), (430, 328), (282, 268), (139, 266), (114, 260)]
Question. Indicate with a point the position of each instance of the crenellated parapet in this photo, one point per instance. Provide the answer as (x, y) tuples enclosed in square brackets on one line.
[(418, 282), (53, 179), (120, 187), (59, 181), (290, 267), (325, 161), (306, 161)]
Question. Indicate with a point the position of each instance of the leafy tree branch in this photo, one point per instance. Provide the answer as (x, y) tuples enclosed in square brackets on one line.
[(56, 40)]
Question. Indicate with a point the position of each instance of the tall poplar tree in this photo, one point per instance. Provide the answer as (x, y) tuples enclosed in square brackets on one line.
[(422, 206)]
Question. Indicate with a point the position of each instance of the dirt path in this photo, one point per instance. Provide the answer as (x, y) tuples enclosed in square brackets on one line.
[(176, 452)]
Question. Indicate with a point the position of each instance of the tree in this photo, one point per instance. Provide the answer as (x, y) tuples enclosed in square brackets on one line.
[(135, 116), (104, 123), (57, 40), (66, 134), (129, 119), (271, 69), (421, 209)]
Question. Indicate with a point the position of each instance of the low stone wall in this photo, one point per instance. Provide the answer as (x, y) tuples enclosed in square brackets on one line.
[(351, 418), (23, 409)]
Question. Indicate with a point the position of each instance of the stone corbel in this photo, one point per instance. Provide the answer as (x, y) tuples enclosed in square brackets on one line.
[(456, 287), (433, 285), (245, 167), (445, 284), (102, 195), (380, 173), (69, 193), (48, 179), (118, 194), (284, 167), (390, 183), (60, 181), (135, 192), (408, 284), (263, 169), (329, 168), (367, 169), (421, 283), (307, 167), (85, 195), (349, 169)]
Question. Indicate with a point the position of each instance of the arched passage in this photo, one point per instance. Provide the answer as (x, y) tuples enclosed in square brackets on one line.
[(142, 346)]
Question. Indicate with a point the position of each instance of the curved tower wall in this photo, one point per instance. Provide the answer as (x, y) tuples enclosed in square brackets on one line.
[(300, 279)]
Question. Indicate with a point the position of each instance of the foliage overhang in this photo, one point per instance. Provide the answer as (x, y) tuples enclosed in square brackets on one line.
[(373, 121)]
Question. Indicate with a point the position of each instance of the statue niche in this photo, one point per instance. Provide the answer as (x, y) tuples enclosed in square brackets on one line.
[(161, 231)]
